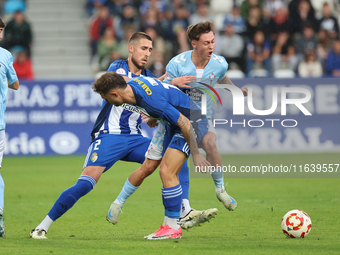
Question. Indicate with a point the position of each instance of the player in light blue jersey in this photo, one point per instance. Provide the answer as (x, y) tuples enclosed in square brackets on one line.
[(193, 71), (8, 79), (163, 101)]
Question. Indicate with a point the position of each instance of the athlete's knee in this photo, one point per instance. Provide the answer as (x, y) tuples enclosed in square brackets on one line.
[(148, 167), (209, 146), (166, 174)]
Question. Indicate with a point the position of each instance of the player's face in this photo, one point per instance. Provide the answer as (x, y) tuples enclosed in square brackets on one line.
[(112, 97), (1, 32), (205, 45), (141, 53)]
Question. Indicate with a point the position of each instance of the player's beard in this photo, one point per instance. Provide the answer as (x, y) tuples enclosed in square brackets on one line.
[(134, 61)]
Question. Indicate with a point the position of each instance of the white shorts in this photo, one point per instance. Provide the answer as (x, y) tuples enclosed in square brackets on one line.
[(155, 149), (211, 127), (2, 145)]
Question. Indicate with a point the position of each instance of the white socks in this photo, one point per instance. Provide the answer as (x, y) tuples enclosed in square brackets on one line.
[(172, 223), (186, 208), (45, 224)]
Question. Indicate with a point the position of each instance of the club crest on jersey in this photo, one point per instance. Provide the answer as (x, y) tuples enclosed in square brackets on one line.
[(94, 157), (167, 76), (121, 71)]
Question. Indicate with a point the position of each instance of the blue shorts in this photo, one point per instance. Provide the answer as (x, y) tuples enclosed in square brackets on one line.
[(174, 138), (107, 149)]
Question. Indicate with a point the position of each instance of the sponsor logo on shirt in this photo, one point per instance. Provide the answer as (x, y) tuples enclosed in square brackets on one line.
[(121, 71)]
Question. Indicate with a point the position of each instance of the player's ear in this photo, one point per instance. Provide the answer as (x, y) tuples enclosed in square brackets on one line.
[(130, 48), (193, 44)]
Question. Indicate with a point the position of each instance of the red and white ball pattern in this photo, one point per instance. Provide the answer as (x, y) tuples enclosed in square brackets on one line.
[(296, 224)]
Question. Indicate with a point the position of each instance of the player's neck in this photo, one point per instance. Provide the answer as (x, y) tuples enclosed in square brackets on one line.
[(134, 69), (129, 96), (198, 61)]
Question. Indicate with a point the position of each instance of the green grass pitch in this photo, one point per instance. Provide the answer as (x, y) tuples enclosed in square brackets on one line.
[(34, 183)]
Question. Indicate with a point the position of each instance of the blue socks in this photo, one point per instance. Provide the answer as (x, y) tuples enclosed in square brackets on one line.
[(70, 196), (183, 176), (172, 199), (2, 189), (126, 192)]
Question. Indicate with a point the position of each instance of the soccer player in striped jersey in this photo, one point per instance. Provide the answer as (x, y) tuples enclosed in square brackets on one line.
[(116, 135), (8, 79), (174, 107)]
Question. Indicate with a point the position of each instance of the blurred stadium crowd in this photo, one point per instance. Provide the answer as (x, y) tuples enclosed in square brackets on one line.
[(258, 38)]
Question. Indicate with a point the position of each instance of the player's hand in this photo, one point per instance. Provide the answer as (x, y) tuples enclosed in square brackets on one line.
[(245, 91), (201, 162), (151, 122), (182, 81)]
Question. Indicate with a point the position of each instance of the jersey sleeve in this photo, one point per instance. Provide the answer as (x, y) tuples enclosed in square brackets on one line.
[(224, 67), (171, 72), (10, 72), (115, 67), (170, 114)]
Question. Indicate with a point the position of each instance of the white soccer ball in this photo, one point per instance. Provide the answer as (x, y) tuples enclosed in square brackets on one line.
[(296, 224)]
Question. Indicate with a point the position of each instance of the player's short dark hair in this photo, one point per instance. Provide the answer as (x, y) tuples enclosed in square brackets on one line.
[(108, 81), (194, 31), (2, 24), (137, 36)]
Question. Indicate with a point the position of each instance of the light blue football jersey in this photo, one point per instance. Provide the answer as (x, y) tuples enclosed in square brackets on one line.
[(7, 74), (215, 70)]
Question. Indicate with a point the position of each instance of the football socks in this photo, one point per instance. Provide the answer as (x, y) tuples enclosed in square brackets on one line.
[(70, 196)]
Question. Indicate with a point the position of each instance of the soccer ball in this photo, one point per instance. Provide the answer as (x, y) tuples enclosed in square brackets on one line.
[(296, 224)]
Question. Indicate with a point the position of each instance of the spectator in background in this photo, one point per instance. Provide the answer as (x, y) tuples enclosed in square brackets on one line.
[(236, 20), (158, 44), (230, 45), (98, 25), (306, 41), (304, 14), (323, 48), (258, 51), (271, 6), (328, 22), (166, 23), (283, 56), (128, 18), (152, 4), (92, 5), (182, 41), (310, 67), (333, 60), (151, 20), (18, 33), (201, 15), (123, 44), (247, 5), (279, 21), (181, 18), (23, 66), (254, 23), (107, 49)]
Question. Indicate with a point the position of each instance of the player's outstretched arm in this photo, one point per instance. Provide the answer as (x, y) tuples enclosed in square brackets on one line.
[(226, 80), (183, 81), (189, 135), (14, 85)]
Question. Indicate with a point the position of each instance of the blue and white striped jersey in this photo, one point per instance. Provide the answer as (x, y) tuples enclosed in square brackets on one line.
[(7, 75), (182, 65), (124, 119)]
